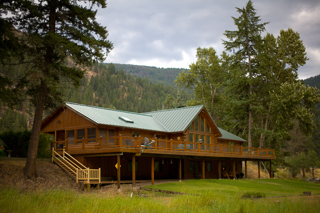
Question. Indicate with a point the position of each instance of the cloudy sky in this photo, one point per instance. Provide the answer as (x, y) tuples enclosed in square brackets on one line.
[(166, 33)]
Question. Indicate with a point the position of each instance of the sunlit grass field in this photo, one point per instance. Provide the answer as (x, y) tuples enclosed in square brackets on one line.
[(202, 196)]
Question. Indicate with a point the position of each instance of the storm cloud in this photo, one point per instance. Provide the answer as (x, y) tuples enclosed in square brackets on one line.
[(167, 33)]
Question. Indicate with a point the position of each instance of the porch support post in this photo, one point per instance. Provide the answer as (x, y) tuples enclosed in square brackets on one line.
[(234, 169), (133, 170), (259, 165), (203, 170), (55, 140), (118, 171), (270, 171), (245, 169), (180, 169), (219, 169), (152, 170)]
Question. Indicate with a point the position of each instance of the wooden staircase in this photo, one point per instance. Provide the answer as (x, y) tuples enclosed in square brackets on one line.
[(76, 169)]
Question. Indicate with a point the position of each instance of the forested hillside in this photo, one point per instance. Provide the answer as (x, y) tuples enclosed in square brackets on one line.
[(112, 88), (313, 81), (154, 74), (105, 86)]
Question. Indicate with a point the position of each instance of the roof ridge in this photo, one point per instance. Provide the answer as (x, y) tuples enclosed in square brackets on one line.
[(104, 108), (154, 118), (163, 110)]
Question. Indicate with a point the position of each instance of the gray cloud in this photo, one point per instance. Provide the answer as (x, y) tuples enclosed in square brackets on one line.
[(166, 33)]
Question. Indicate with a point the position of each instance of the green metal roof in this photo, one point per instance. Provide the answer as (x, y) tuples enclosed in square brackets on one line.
[(171, 120), (176, 120), (228, 136), (111, 117)]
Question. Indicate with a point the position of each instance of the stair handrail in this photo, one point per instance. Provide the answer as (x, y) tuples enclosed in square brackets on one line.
[(66, 153), (71, 162), (68, 165), (66, 160)]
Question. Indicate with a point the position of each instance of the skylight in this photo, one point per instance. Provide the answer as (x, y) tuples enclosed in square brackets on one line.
[(126, 119)]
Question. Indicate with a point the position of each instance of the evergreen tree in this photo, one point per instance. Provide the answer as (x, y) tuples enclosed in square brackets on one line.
[(54, 31), (244, 43)]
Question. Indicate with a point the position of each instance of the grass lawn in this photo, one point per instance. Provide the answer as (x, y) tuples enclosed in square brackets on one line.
[(225, 187), (202, 196)]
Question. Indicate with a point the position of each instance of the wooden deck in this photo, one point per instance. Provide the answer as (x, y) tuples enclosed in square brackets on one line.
[(142, 146)]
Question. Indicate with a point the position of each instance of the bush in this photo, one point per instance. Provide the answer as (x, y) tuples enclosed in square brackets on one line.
[(18, 142), (253, 195)]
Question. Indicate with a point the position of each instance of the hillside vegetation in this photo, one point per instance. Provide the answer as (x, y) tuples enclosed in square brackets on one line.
[(113, 88), (165, 76)]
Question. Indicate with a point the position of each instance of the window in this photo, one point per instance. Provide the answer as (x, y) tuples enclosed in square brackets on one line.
[(209, 167), (197, 137), (191, 138), (190, 146), (202, 124), (197, 169), (80, 135), (92, 134), (208, 128), (111, 134), (102, 133), (162, 137), (156, 166), (208, 139), (135, 134), (199, 131), (70, 136), (196, 124), (230, 148), (191, 166), (126, 119)]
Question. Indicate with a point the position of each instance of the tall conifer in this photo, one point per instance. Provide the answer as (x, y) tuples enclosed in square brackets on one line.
[(244, 42)]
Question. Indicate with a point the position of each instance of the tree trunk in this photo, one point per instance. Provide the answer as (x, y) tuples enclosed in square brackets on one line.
[(250, 96), (303, 173), (250, 110), (202, 92), (213, 93), (262, 136), (30, 171)]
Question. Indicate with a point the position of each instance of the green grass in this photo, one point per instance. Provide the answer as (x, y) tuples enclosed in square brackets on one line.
[(225, 187), (203, 196)]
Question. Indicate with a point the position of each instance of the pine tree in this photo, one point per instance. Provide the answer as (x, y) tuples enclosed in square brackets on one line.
[(244, 43), (53, 32)]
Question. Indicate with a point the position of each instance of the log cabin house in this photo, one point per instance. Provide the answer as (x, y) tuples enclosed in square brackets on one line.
[(182, 143)]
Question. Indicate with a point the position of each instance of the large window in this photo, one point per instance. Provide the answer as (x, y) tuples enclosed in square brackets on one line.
[(92, 134), (200, 132), (111, 134), (196, 124), (202, 124), (70, 136), (80, 135)]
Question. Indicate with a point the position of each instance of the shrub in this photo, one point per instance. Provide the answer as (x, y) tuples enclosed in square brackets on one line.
[(253, 195), (18, 142)]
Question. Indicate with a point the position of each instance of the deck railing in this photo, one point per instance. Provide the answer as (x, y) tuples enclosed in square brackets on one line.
[(142, 144), (77, 169)]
